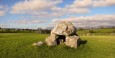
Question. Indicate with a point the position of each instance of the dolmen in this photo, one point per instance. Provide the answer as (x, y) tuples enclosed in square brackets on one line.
[(63, 32)]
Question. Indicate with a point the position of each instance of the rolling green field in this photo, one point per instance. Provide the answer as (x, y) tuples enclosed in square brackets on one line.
[(19, 45), (104, 31)]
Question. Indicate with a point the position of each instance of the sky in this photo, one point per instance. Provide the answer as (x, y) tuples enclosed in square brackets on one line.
[(35, 14)]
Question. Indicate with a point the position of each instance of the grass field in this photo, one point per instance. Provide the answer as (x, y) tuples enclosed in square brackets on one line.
[(19, 45), (104, 31)]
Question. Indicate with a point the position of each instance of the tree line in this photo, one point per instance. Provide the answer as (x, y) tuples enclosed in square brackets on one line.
[(15, 30)]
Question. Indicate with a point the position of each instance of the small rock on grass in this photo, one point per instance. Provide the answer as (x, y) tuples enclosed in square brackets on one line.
[(40, 43)]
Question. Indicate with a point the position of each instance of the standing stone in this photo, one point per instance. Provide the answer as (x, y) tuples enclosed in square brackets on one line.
[(72, 41), (51, 40)]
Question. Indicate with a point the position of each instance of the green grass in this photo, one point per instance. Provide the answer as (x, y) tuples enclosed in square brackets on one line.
[(19, 45), (105, 31)]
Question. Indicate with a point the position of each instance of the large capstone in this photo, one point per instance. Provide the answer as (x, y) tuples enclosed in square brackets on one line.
[(64, 32), (64, 28)]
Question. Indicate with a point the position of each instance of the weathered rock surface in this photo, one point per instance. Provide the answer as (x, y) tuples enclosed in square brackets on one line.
[(63, 31), (72, 41), (51, 40), (38, 43), (64, 28)]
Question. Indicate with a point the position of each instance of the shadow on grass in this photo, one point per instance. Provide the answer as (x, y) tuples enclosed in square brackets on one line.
[(82, 42)]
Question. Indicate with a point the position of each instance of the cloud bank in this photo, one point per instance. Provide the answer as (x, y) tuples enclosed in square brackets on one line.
[(90, 21), (49, 8), (25, 21)]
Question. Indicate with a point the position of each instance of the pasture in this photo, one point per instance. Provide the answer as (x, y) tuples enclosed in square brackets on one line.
[(19, 45)]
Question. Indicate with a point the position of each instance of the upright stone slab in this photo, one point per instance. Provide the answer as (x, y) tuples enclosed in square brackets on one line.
[(51, 40), (72, 41)]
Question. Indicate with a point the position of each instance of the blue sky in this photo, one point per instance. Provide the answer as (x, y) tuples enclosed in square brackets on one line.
[(46, 13)]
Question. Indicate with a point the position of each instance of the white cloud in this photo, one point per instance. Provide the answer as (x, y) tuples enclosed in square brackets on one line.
[(3, 10), (34, 5), (2, 13), (3, 25), (101, 3), (81, 3), (70, 10), (47, 15), (92, 3), (78, 6), (49, 8), (91, 21), (29, 21), (45, 8)]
